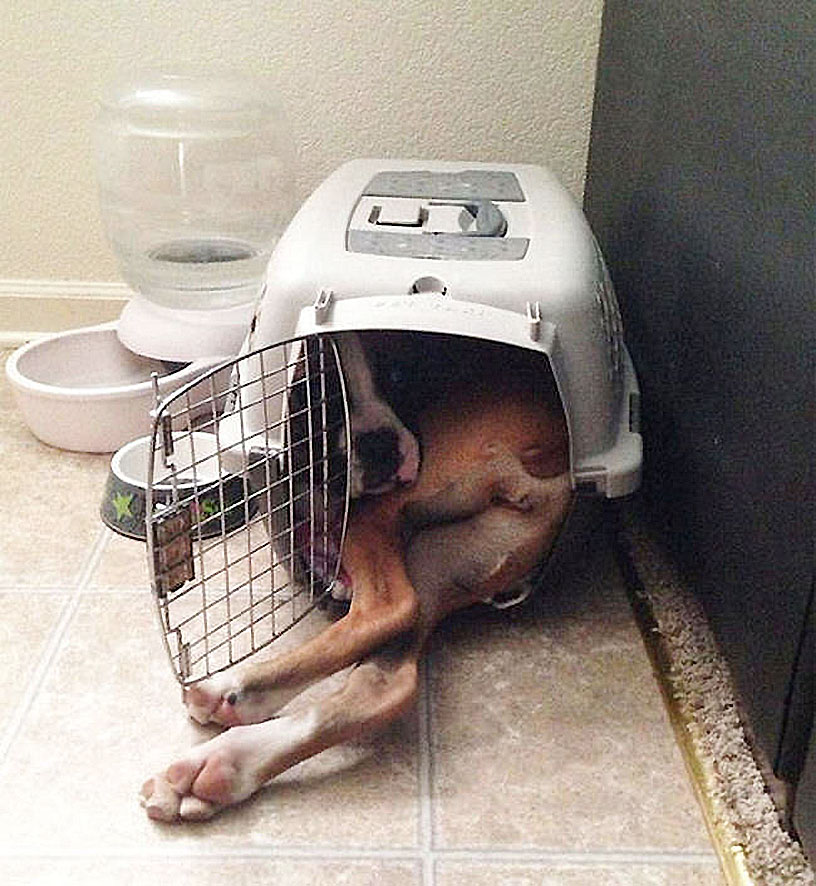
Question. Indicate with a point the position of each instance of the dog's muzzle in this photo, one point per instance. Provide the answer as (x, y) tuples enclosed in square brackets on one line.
[(383, 460)]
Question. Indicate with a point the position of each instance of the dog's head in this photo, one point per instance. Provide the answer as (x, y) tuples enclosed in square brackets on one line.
[(384, 452)]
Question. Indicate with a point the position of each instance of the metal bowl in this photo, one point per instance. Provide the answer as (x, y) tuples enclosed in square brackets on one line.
[(210, 482)]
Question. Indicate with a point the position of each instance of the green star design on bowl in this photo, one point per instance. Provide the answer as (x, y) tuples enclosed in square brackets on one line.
[(121, 503)]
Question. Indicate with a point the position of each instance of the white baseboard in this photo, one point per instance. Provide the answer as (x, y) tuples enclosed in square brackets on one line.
[(31, 308)]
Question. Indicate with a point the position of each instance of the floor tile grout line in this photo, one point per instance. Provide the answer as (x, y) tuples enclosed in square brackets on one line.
[(20, 590), (89, 563), (49, 653), (591, 858), (425, 753), (37, 679), (87, 573), (163, 853), (92, 560), (499, 855)]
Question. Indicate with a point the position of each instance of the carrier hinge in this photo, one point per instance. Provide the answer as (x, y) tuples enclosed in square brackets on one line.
[(322, 305), (534, 319)]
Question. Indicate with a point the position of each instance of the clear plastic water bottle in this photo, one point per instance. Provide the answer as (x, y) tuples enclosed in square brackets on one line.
[(196, 185)]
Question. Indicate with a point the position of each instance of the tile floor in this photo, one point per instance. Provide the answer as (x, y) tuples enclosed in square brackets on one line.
[(540, 753)]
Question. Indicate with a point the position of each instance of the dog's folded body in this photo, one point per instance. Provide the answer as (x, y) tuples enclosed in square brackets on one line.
[(483, 510)]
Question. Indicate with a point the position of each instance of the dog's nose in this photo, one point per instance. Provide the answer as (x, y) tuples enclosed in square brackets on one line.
[(379, 454)]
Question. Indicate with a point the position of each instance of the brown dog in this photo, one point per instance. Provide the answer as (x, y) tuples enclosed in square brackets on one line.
[(490, 497)]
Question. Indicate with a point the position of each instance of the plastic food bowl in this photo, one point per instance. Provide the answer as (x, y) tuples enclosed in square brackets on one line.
[(83, 390), (210, 474)]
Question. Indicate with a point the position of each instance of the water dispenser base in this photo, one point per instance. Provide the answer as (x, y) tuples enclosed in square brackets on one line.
[(183, 335)]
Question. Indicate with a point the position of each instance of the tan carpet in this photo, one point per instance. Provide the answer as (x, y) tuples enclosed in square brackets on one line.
[(753, 845)]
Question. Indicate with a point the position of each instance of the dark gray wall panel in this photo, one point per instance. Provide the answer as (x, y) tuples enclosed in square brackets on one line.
[(700, 189)]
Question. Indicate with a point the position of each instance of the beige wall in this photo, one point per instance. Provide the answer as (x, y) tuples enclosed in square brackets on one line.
[(505, 80)]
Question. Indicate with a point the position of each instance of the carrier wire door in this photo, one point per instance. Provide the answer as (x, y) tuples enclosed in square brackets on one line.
[(247, 502)]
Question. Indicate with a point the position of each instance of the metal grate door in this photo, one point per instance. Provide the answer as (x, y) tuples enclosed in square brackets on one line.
[(247, 502)]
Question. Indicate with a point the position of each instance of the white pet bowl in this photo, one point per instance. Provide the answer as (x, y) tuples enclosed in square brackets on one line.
[(83, 390)]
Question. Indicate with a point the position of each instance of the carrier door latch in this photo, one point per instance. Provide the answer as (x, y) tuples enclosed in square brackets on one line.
[(172, 550)]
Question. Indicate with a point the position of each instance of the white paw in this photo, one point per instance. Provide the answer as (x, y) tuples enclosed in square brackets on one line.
[(225, 770), (213, 775), (225, 700), (213, 700)]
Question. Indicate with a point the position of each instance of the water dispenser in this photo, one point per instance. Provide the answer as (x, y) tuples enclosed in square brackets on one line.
[(195, 178)]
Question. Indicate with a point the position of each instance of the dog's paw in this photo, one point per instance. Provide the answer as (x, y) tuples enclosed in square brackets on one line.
[(226, 770), (337, 602), (224, 699), (214, 700), (214, 775)]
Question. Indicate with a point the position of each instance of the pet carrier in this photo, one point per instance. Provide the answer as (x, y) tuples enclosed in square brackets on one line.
[(487, 251)]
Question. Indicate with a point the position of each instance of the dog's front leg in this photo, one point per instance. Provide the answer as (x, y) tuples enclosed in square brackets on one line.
[(236, 764), (384, 606)]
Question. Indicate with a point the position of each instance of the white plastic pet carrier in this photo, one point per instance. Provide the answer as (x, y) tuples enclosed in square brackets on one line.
[(245, 538)]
